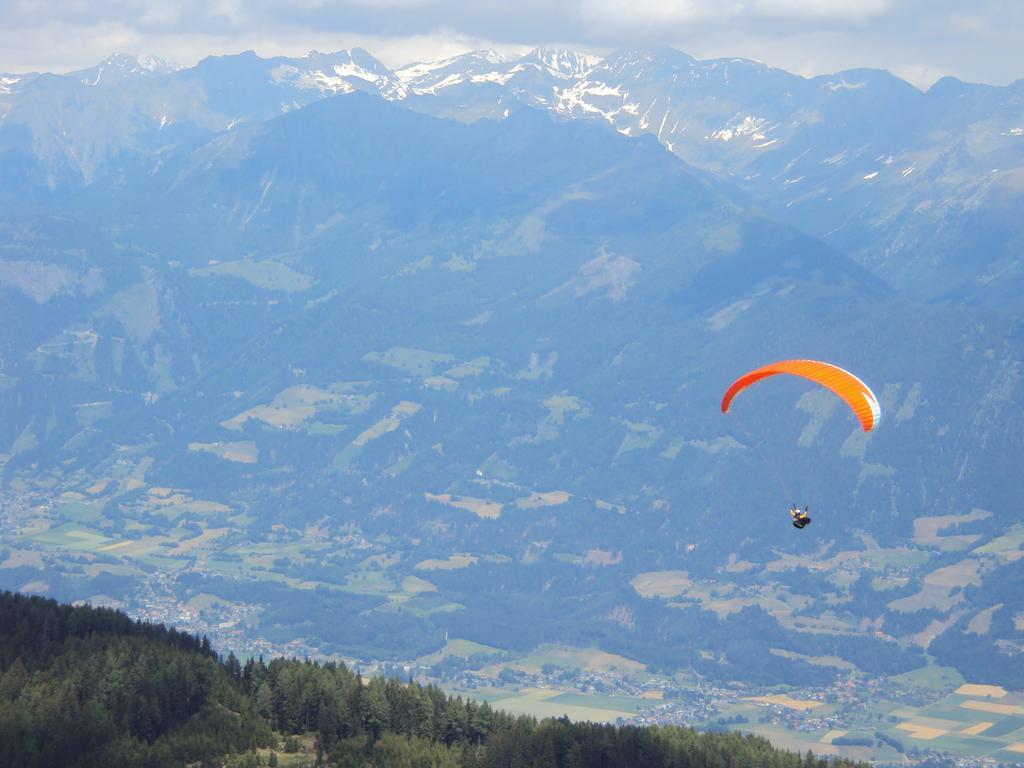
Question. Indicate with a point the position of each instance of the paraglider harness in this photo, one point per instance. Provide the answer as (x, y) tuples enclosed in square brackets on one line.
[(801, 519)]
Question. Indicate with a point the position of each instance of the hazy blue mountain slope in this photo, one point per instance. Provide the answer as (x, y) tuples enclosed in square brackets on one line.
[(465, 379), (919, 187)]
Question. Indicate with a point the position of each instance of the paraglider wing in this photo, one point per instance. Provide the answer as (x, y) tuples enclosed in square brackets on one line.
[(852, 390)]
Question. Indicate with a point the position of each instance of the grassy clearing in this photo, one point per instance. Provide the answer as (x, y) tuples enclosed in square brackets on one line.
[(462, 649), (548, 703), (981, 622), (490, 510), (612, 703), (73, 537), (932, 676), (269, 275), (421, 605), (548, 499), (589, 659), (418, 362), (389, 423), (451, 563), (940, 598), (471, 368), (1008, 546), (242, 452), (30, 558), (207, 536), (173, 504), (958, 576), (896, 557), (415, 584), (795, 741), (99, 486), (818, 661), (81, 512), (293, 406), (927, 529), (661, 583)]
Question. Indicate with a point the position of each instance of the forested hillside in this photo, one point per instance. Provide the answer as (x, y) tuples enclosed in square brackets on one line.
[(82, 686)]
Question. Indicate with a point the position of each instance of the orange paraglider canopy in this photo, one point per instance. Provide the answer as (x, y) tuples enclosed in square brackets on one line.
[(852, 390)]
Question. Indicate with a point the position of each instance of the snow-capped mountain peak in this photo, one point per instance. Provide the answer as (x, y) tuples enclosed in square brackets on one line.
[(119, 66), (563, 63), (8, 83), (340, 72)]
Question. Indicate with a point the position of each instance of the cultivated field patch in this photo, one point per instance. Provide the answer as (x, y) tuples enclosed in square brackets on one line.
[(921, 732), (988, 706), (207, 536), (542, 702), (974, 730), (785, 701)]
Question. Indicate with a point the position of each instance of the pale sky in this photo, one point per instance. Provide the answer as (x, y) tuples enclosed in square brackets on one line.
[(919, 40)]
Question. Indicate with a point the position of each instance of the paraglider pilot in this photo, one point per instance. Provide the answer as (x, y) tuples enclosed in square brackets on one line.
[(802, 518)]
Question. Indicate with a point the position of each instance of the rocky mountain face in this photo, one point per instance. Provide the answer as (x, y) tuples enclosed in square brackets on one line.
[(281, 332)]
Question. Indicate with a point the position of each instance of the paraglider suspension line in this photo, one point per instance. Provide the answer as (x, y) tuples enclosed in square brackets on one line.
[(768, 462)]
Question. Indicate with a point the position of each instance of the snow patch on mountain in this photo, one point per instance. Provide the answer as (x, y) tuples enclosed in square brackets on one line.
[(597, 98), (337, 78), (7, 83), (842, 85), (353, 70), (497, 77), (341, 72), (562, 63), (475, 67), (317, 80), (446, 83), (750, 126), (413, 72)]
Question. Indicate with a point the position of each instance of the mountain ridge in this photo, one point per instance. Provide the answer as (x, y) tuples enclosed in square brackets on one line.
[(897, 177)]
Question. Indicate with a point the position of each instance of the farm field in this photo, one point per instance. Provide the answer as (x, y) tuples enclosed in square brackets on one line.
[(973, 721), (548, 702)]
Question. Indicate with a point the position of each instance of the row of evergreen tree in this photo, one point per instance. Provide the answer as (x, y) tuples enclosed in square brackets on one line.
[(82, 686)]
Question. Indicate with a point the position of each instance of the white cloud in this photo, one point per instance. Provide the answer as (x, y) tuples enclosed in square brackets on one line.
[(841, 10)]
